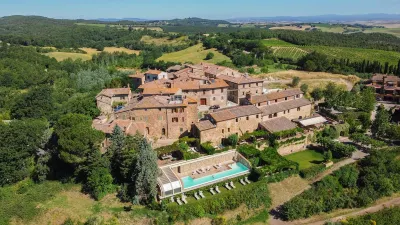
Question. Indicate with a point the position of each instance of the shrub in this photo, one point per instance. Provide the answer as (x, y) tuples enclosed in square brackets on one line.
[(312, 171), (233, 139), (253, 195), (209, 56), (208, 148), (248, 151)]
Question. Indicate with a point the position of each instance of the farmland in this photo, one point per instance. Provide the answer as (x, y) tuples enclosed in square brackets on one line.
[(284, 49), (119, 26), (164, 41), (60, 56), (194, 54)]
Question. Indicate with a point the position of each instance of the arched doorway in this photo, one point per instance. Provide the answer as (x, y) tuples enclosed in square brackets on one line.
[(163, 132)]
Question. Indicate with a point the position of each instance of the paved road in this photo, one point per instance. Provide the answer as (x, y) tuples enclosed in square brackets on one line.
[(355, 157)]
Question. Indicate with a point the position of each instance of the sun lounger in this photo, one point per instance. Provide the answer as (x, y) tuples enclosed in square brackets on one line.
[(212, 191), (232, 185), (217, 189), (208, 168), (216, 166), (198, 171), (184, 198), (201, 194), (242, 182), (227, 186), (196, 196), (247, 180), (179, 201)]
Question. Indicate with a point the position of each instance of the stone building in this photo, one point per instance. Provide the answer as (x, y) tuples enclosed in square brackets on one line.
[(137, 80), (152, 75), (240, 86), (293, 109), (224, 122), (386, 87), (165, 117), (205, 92), (107, 99), (273, 97)]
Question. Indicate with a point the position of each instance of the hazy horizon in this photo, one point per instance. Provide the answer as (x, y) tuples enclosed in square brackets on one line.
[(223, 9)]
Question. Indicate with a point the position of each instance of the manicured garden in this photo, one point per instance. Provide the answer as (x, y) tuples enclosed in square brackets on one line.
[(306, 158)]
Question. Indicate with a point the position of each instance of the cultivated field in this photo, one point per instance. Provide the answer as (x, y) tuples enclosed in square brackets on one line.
[(194, 54), (164, 41), (60, 56), (274, 42), (286, 189), (289, 52)]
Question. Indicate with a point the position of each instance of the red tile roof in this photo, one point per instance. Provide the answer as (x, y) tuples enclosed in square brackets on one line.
[(110, 92), (234, 112), (278, 124), (282, 106)]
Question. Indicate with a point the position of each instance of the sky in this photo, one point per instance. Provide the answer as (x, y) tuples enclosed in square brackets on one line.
[(208, 9)]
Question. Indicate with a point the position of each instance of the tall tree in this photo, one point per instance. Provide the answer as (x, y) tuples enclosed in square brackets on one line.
[(145, 174), (381, 123)]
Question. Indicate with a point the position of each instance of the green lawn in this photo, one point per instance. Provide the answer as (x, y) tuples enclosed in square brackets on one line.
[(306, 158)]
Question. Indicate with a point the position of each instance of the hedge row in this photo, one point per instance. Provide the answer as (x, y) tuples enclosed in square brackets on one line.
[(253, 195), (312, 171)]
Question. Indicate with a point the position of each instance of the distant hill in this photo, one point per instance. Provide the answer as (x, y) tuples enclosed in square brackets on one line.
[(320, 18), (121, 19)]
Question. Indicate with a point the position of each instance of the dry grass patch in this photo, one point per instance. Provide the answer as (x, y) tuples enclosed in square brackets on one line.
[(90, 51), (304, 75), (116, 49), (61, 56), (163, 41), (283, 191)]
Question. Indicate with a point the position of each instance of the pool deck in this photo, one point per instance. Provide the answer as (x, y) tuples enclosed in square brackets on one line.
[(213, 170)]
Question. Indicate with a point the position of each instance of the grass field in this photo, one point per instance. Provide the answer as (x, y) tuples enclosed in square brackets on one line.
[(306, 158), (164, 41), (51, 202), (289, 52), (194, 54), (117, 49), (393, 31), (286, 189), (60, 56)]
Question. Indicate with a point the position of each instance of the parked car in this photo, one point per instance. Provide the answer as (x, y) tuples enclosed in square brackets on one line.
[(214, 107)]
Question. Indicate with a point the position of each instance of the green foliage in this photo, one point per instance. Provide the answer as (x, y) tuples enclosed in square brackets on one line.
[(82, 104), (208, 148), (99, 183), (295, 81), (145, 174), (366, 140), (347, 176), (339, 150), (233, 139), (41, 168), (317, 94), (253, 195), (20, 140), (304, 88), (381, 123), (248, 151), (387, 216), (312, 171), (76, 138), (209, 56)]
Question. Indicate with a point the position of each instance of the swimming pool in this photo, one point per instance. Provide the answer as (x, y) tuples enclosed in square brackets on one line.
[(236, 169)]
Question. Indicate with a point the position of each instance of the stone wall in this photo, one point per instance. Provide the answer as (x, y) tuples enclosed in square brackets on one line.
[(291, 114), (293, 148)]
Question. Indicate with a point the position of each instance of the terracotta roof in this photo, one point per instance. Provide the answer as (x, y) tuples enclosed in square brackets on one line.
[(153, 72), (280, 107), (129, 127), (155, 101), (110, 92), (185, 85), (204, 125), (278, 124), (234, 112), (275, 95), (160, 91), (240, 80), (138, 75), (379, 77)]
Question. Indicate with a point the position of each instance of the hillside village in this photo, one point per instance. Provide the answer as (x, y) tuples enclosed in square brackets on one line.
[(207, 102)]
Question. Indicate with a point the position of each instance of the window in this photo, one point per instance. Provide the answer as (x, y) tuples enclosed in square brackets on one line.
[(163, 131), (229, 129), (174, 110), (181, 129), (256, 91), (213, 91), (257, 116), (223, 131), (204, 92), (284, 112), (159, 109), (298, 109), (243, 93), (182, 110), (222, 97), (259, 104), (270, 116), (275, 114), (145, 109), (297, 96), (288, 111), (256, 84), (243, 86), (276, 100), (222, 90), (237, 120), (249, 85), (123, 98), (285, 98), (175, 119), (183, 119), (133, 118), (247, 118), (214, 98)]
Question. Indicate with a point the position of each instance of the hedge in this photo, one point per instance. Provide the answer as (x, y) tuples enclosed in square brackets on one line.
[(248, 151), (208, 148), (312, 171), (254, 195)]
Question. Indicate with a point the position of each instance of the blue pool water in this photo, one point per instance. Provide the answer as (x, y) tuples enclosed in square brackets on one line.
[(236, 168)]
